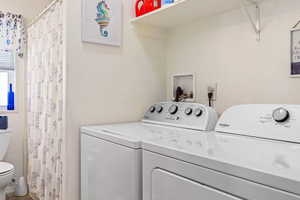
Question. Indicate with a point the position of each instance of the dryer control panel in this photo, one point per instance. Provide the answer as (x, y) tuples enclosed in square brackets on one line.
[(185, 115), (277, 122)]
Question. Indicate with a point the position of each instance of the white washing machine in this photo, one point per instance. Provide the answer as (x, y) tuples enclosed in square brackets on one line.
[(111, 155), (254, 154)]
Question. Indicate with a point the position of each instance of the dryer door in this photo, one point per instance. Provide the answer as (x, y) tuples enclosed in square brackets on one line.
[(169, 186)]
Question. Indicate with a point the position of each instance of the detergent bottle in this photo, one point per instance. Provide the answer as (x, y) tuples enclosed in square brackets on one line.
[(140, 7), (152, 5), (144, 6)]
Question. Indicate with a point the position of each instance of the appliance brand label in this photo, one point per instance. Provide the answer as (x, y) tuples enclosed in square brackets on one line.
[(224, 125)]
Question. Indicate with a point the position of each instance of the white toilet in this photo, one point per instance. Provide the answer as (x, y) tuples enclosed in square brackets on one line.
[(7, 170)]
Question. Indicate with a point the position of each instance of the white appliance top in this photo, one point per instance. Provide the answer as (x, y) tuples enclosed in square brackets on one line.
[(133, 134), (165, 117), (277, 122)]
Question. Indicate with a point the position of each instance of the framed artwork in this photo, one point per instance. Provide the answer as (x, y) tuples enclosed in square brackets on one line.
[(295, 53), (102, 21)]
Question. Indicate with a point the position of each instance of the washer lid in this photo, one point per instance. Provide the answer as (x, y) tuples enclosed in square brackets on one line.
[(5, 167), (133, 134)]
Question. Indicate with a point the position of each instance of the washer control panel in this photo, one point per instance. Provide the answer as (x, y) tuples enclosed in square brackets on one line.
[(184, 115), (278, 122)]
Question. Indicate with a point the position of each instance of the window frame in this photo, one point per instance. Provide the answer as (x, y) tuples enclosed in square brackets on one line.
[(4, 107), (12, 78)]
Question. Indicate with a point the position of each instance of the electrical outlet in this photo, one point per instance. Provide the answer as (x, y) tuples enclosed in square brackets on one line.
[(213, 88)]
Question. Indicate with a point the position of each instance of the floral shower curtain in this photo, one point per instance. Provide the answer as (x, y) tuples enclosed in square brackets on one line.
[(45, 75)]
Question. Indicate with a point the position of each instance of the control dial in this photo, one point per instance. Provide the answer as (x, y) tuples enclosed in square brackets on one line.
[(159, 108), (152, 109), (188, 111), (281, 115), (173, 109), (198, 112)]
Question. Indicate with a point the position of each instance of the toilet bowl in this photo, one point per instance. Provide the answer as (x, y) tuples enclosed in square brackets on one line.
[(7, 170), (7, 173)]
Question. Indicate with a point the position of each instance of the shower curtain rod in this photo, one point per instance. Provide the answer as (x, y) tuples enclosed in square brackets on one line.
[(42, 13)]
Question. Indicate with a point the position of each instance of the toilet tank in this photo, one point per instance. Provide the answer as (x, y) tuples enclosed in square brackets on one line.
[(4, 141)]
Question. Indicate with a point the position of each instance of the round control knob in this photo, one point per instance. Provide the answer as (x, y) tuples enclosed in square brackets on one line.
[(173, 109), (152, 109), (159, 109), (281, 115), (188, 111), (198, 112)]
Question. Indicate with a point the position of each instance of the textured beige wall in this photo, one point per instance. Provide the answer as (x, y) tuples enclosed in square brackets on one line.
[(29, 9), (223, 50), (107, 84)]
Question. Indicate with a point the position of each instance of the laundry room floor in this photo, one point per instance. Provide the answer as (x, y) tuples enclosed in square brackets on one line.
[(20, 198)]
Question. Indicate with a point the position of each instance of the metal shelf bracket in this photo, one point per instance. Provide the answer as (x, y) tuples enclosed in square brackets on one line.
[(256, 20)]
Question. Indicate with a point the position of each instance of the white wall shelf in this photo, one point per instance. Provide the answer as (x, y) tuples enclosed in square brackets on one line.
[(185, 11)]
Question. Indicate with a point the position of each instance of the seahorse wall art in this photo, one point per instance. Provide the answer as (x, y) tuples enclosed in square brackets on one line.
[(103, 17)]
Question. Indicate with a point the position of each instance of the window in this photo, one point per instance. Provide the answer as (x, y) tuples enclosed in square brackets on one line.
[(7, 76), (3, 88)]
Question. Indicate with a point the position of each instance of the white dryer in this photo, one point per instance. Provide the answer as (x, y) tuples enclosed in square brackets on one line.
[(111, 155), (254, 154)]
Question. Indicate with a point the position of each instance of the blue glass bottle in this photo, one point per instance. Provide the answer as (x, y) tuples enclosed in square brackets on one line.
[(11, 99)]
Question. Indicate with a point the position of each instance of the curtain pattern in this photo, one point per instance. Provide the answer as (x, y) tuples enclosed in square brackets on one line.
[(12, 32), (45, 76)]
